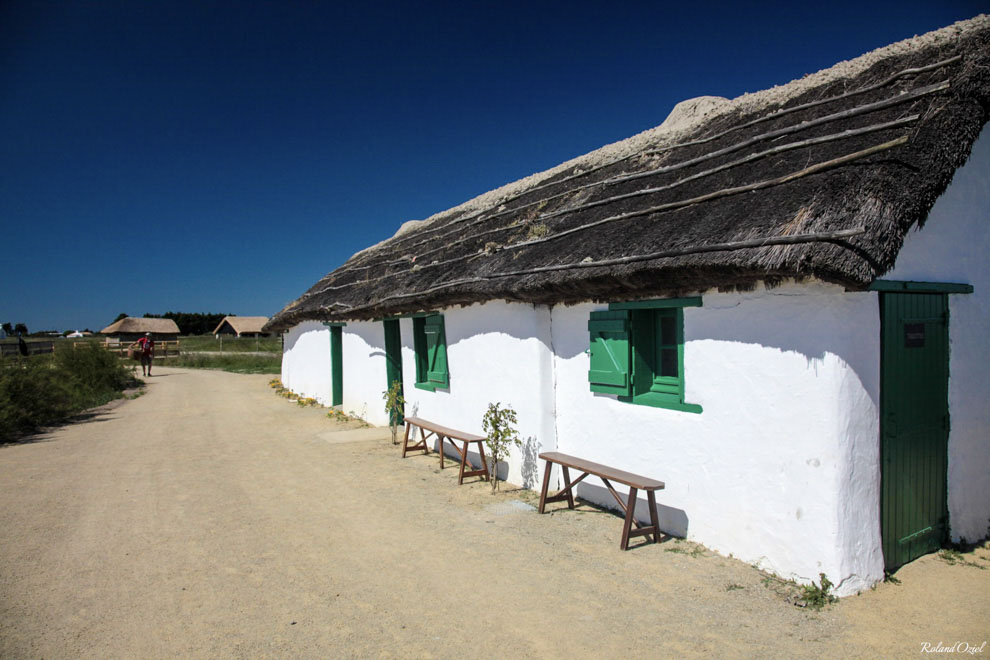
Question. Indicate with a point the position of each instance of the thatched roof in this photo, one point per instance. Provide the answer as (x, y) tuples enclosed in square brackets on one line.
[(820, 178), (242, 324), (131, 325)]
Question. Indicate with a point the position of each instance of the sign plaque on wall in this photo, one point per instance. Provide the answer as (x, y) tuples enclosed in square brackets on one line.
[(914, 335)]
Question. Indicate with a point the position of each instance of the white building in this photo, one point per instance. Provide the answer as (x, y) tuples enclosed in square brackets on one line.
[(778, 305)]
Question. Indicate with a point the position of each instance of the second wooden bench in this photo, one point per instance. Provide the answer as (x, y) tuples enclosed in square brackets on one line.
[(429, 429), (635, 483)]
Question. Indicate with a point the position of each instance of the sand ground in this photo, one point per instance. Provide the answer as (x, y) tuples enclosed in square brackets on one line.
[(211, 518)]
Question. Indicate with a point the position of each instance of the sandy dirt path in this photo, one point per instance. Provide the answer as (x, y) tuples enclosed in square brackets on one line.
[(210, 518)]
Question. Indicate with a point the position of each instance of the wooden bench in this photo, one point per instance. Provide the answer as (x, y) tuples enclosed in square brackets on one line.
[(429, 429), (635, 483)]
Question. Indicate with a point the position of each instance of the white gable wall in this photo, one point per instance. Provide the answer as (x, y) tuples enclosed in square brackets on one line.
[(363, 357), (306, 361), (954, 246), (788, 380)]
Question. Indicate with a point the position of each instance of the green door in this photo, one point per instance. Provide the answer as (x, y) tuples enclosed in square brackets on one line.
[(914, 424), (393, 356), (336, 365)]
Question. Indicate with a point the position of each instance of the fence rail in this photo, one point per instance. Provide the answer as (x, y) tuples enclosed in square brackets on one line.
[(33, 347), (163, 349)]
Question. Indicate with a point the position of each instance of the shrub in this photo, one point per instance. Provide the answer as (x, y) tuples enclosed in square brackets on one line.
[(41, 392), (95, 372), (394, 406), (499, 425), (32, 395)]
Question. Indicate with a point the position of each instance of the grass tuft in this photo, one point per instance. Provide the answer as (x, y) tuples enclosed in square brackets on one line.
[(817, 596), (232, 362)]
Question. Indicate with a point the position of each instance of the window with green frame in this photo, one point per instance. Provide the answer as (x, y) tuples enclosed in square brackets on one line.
[(637, 352), (430, 345)]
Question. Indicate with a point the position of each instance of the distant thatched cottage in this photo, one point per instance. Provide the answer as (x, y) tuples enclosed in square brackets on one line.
[(242, 326), (131, 329), (754, 302)]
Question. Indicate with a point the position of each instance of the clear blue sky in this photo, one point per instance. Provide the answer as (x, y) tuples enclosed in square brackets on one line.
[(201, 156)]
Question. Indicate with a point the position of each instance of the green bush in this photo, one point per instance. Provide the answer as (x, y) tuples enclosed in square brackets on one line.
[(94, 370), (32, 395), (39, 392)]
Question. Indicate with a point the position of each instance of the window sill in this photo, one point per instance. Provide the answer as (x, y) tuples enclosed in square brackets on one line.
[(432, 387), (656, 401)]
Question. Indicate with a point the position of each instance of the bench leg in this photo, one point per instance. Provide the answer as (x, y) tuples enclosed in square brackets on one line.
[(465, 471), (484, 461), (405, 440), (565, 494), (463, 452), (406, 447), (546, 484), (630, 514), (654, 518), (567, 485)]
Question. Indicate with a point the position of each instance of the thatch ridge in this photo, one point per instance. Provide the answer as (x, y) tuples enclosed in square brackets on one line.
[(820, 178)]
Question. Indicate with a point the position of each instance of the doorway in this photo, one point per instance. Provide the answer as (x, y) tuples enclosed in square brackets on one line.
[(393, 360), (914, 424)]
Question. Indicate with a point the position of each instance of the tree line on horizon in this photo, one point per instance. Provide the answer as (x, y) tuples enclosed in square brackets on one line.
[(20, 329), (190, 323), (15, 329)]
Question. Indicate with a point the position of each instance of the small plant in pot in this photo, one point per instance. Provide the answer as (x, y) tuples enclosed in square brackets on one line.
[(499, 426)]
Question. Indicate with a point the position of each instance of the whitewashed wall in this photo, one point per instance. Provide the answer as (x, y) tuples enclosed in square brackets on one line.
[(496, 352), (954, 246), (782, 467), (306, 361), (363, 355), (788, 380)]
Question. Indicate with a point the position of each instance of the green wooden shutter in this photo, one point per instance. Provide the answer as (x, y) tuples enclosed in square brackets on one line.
[(436, 351), (609, 366)]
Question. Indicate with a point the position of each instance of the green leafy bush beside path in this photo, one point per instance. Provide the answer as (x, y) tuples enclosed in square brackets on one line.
[(45, 390)]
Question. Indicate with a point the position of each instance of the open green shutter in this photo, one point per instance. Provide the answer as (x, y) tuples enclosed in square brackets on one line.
[(609, 369), (436, 351)]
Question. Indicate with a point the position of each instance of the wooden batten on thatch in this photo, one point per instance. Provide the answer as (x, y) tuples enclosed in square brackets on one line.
[(819, 178), (241, 325), (131, 326)]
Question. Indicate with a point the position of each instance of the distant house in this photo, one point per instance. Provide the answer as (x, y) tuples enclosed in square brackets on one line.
[(242, 326), (130, 329), (753, 302)]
